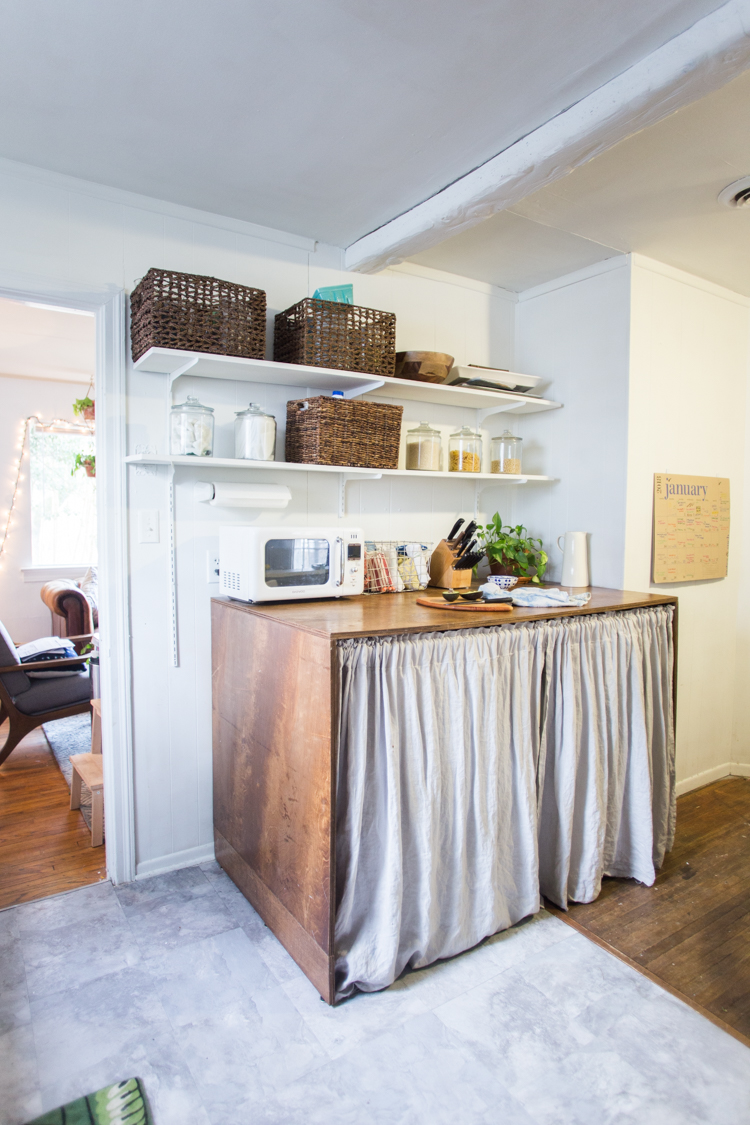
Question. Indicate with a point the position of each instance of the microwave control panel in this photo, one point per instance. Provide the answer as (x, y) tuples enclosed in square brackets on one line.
[(354, 563)]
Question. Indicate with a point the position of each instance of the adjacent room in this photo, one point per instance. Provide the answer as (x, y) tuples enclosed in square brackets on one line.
[(375, 642), (48, 579)]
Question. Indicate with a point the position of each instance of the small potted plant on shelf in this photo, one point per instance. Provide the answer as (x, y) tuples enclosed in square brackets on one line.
[(84, 408), (511, 550), (85, 461)]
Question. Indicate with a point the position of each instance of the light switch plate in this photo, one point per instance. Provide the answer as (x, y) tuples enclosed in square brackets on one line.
[(148, 525)]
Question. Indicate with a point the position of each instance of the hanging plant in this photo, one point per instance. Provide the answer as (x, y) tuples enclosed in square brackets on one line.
[(85, 461), (510, 550), (84, 408)]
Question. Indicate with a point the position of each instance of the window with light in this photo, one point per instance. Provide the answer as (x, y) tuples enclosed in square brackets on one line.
[(63, 495)]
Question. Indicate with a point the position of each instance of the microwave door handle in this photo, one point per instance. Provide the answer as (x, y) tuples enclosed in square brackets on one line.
[(342, 564)]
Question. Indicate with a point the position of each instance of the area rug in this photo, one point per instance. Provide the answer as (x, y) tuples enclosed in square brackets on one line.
[(122, 1104), (67, 737)]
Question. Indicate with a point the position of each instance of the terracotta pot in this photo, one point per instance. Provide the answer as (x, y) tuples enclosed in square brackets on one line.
[(90, 469), (89, 413)]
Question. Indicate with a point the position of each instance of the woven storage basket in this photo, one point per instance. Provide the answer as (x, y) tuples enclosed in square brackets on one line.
[(197, 314), (328, 334), (343, 431)]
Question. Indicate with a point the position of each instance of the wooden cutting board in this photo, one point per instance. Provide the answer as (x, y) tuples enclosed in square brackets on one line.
[(475, 607)]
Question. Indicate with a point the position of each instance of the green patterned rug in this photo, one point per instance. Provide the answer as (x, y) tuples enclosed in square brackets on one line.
[(122, 1104)]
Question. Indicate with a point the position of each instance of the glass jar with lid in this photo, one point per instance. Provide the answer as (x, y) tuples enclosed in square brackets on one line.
[(424, 447), (465, 451), (506, 453), (191, 429), (254, 434)]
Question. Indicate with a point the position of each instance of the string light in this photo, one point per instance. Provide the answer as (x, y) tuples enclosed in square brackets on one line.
[(17, 481)]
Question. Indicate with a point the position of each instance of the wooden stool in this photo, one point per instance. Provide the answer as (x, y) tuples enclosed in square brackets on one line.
[(87, 768), (96, 726)]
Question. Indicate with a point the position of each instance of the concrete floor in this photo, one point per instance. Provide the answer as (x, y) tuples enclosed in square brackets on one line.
[(176, 980)]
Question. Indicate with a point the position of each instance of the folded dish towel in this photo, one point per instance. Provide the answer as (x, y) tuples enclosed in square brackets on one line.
[(493, 593), (534, 597)]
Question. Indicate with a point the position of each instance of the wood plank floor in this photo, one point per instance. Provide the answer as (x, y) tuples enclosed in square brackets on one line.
[(44, 847), (691, 930)]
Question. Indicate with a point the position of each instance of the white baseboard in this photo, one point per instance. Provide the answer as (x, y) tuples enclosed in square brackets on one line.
[(727, 769), (188, 858)]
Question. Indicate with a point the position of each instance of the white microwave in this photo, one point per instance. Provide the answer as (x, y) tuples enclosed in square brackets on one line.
[(271, 564)]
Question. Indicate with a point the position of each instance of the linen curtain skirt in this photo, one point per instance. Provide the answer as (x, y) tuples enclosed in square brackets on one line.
[(481, 768)]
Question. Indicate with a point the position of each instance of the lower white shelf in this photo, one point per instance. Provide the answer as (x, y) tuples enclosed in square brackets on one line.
[(350, 470)]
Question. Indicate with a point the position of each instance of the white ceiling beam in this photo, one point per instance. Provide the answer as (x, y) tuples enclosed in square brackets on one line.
[(693, 64)]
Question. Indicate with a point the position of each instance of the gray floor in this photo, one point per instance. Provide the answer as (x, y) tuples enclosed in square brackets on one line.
[(177, 981)]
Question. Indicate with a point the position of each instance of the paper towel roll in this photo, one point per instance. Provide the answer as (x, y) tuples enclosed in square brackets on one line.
[(220, 495)]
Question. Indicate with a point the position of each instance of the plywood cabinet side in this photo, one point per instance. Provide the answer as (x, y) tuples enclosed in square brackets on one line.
[(273, 690)]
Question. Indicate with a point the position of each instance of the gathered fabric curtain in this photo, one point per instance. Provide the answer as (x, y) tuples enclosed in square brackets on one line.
[(482, 767)]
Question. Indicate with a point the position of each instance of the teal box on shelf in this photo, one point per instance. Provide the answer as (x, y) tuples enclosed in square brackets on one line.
[(342, 294)]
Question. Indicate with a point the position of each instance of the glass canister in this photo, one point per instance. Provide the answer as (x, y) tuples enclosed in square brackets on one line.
[(254, 434), (506, 453), (423, 448), (465, 451), (191, 429)]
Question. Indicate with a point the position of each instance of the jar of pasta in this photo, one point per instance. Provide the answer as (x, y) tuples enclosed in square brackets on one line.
[(423, 448), (506, 454), (465, 451)]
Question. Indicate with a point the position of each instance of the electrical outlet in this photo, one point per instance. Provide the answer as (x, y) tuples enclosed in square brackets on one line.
[(148, 525), (212, 567)]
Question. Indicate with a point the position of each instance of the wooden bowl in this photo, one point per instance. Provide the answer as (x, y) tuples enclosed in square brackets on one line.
[(426, 367)]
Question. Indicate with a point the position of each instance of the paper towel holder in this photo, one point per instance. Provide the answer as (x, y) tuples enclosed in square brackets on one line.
[(220, 495)]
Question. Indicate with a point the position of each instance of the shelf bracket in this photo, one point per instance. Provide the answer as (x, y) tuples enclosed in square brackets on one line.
[(183, 370), (344, 479), (367, 389), (501, 408), (479, 486)]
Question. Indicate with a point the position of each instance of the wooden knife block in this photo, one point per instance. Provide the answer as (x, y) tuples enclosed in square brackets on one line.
[(442, 573)]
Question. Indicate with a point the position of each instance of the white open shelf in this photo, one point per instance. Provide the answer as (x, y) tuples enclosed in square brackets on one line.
[(174, 363), (352, 471)]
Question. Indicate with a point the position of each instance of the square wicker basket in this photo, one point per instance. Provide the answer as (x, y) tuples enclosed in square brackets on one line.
[(197, 314), (343, 431), (329, 334)]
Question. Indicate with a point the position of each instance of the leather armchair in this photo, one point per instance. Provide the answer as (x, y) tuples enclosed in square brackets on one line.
[(71, 605)]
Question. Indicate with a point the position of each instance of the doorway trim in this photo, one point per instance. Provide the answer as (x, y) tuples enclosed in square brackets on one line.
[(109, 307)]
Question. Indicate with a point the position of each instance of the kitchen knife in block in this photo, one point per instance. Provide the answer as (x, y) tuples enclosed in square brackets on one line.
[(442, 573)]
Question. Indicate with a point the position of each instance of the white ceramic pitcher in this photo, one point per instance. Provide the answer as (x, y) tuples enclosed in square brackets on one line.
[(575, 567)]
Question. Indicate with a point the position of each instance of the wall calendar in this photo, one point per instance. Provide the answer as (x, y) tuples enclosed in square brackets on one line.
[(691, 528)]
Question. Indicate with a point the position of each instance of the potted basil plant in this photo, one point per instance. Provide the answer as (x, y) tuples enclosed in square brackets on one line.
[(511, 550)]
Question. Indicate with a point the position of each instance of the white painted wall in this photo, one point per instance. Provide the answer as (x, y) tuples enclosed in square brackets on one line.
[(687, 414), (21, 609), (55, 227), (652, 366), (574, 332)]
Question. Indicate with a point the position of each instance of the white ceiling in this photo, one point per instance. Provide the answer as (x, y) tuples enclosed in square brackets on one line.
[(38, 343), (513, 252), (654, 194), (325, 119)]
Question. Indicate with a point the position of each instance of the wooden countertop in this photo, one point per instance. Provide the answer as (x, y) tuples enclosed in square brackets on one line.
[(381, 615)]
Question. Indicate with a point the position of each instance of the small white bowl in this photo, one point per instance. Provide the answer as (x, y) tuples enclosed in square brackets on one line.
[(504, 581)]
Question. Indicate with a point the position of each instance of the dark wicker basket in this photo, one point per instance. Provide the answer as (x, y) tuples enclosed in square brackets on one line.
[(343, 431), (328, 334), (197, 314)]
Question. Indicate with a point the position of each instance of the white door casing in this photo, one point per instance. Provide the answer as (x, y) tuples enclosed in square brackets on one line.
[(109, 307)]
